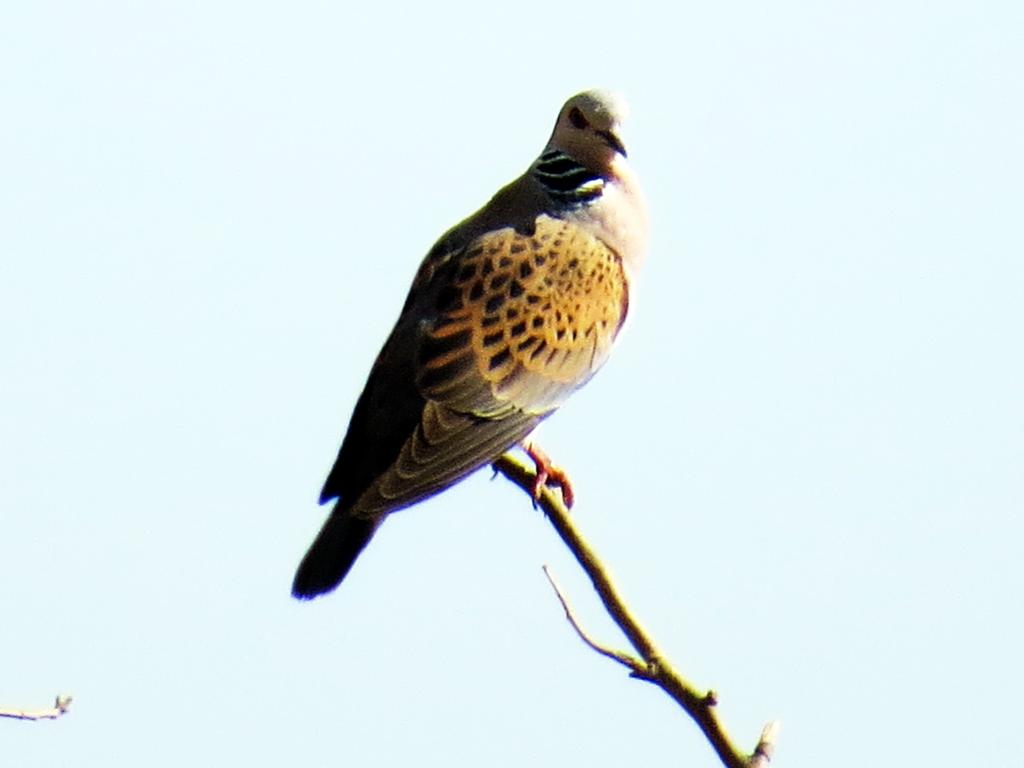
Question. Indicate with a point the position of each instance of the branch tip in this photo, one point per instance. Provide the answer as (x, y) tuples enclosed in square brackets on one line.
[(765, 748), (60, 707)]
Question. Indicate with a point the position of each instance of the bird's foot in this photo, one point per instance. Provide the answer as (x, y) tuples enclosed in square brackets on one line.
[(548, 475)]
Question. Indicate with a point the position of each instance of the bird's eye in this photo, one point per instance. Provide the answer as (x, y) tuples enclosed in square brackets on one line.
[(577, 119)]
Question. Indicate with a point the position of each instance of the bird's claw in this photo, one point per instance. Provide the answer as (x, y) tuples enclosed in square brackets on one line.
[(548, 475)]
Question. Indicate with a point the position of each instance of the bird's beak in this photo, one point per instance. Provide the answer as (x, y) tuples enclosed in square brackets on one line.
[(613, 141)]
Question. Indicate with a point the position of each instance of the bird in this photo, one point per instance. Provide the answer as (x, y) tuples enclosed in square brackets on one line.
[(509, 313)]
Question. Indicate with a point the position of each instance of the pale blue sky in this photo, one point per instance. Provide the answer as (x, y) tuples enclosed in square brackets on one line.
[(803, 461)]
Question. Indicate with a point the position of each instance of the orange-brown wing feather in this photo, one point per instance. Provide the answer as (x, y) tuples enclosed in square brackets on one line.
[(528, 319), (520, 320)]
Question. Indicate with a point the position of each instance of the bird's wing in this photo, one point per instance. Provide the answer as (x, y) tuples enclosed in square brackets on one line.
[(522, 320), (516, 322)]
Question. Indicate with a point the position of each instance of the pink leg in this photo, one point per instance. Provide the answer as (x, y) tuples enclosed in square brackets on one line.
[(548, 474)]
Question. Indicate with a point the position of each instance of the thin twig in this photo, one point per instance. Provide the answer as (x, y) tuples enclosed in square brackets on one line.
[(60, 706), (632, 663), (654, 666)]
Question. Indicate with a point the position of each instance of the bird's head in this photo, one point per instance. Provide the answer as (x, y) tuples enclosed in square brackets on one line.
[(589, 129)]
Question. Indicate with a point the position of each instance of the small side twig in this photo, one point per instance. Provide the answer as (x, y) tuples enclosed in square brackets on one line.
[(632, 663), (60, 707), (652, 665)]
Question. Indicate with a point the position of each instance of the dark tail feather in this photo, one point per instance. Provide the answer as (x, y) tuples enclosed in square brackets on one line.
[(329, 559)]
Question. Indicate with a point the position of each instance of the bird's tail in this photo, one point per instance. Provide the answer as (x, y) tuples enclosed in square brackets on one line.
[(331, 556)]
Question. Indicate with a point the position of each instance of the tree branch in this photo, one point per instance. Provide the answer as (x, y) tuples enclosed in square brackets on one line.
[(652, 665), (60, 706)]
